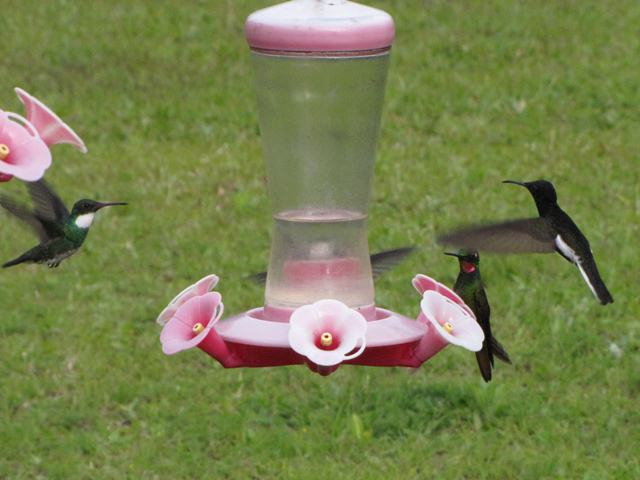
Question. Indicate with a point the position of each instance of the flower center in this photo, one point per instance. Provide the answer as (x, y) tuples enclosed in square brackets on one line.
[(4, 151), (448, 327), (326, 339), (197, 328)]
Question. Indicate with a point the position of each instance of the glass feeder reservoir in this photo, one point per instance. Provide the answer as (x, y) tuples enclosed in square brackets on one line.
[(320, 72)]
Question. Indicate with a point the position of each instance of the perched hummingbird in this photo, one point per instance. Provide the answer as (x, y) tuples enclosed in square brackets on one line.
[(381, 262), (552, 231), (61, 232), (469, 287)]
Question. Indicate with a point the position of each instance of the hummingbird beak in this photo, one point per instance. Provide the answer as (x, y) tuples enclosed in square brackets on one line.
[(110, 204), (522, 184), (452, 254)]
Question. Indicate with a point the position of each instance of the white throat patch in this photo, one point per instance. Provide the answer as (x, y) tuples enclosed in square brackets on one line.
[(85, 220)]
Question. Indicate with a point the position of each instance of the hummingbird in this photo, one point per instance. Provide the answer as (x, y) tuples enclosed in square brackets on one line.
[(469, 287), (552, 231), (381, 263), (61, 233)]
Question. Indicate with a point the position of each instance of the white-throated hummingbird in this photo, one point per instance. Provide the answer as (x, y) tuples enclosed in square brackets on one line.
[(61, 233), (552, 231), (470, 289)]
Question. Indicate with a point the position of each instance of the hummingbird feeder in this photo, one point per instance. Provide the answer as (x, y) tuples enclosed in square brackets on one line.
[(320, 73)]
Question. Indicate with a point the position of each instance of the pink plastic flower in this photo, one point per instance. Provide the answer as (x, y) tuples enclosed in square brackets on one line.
[(24, 143), (201, 287), (422, 283), (442, 308), (22, 152), (191, 322), (326, 331), (50, 127)]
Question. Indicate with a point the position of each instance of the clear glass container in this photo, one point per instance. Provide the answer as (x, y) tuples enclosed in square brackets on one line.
[(319, 120)]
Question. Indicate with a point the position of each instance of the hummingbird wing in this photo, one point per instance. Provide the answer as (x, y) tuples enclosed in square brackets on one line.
[(259, 278), (499, 351), (27, 216), (384, 261), (530, 235), (381, 263), (47, 203)]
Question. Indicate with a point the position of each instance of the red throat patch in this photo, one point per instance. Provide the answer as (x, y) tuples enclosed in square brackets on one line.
[(468, 267)]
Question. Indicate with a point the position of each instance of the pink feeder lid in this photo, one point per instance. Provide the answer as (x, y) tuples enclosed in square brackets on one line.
[(320, 26)]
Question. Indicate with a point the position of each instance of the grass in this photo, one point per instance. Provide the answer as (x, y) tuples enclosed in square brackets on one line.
[(478, 92)]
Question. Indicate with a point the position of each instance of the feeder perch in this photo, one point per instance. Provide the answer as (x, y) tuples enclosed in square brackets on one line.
[(320, 72)]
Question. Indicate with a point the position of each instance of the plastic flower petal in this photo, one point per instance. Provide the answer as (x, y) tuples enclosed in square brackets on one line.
[(455, 324), (326, 331), (201, 287), (23, 153), (191, 323), (50, 127), (422, 283)]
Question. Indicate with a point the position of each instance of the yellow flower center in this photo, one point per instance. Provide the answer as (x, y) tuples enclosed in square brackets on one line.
[(448, 327), (198, 327), (4, 151), (326, 339)]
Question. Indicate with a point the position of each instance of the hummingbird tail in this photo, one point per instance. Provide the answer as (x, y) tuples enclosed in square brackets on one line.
[(16, 261), (485, 357), (499, 351), (591, 275), (484, 362)]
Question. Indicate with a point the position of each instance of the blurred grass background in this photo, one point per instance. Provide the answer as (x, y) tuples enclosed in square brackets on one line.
[(478, 92)]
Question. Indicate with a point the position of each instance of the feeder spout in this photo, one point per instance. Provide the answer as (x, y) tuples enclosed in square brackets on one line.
[(430, 344), (216, 347)]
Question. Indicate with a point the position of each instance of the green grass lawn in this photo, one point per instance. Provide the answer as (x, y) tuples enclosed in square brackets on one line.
[(478, 92)]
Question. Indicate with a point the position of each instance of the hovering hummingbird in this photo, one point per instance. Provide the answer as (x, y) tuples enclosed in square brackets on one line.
[(552, 231), (469, 287), (61, 232), (381, 262)]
